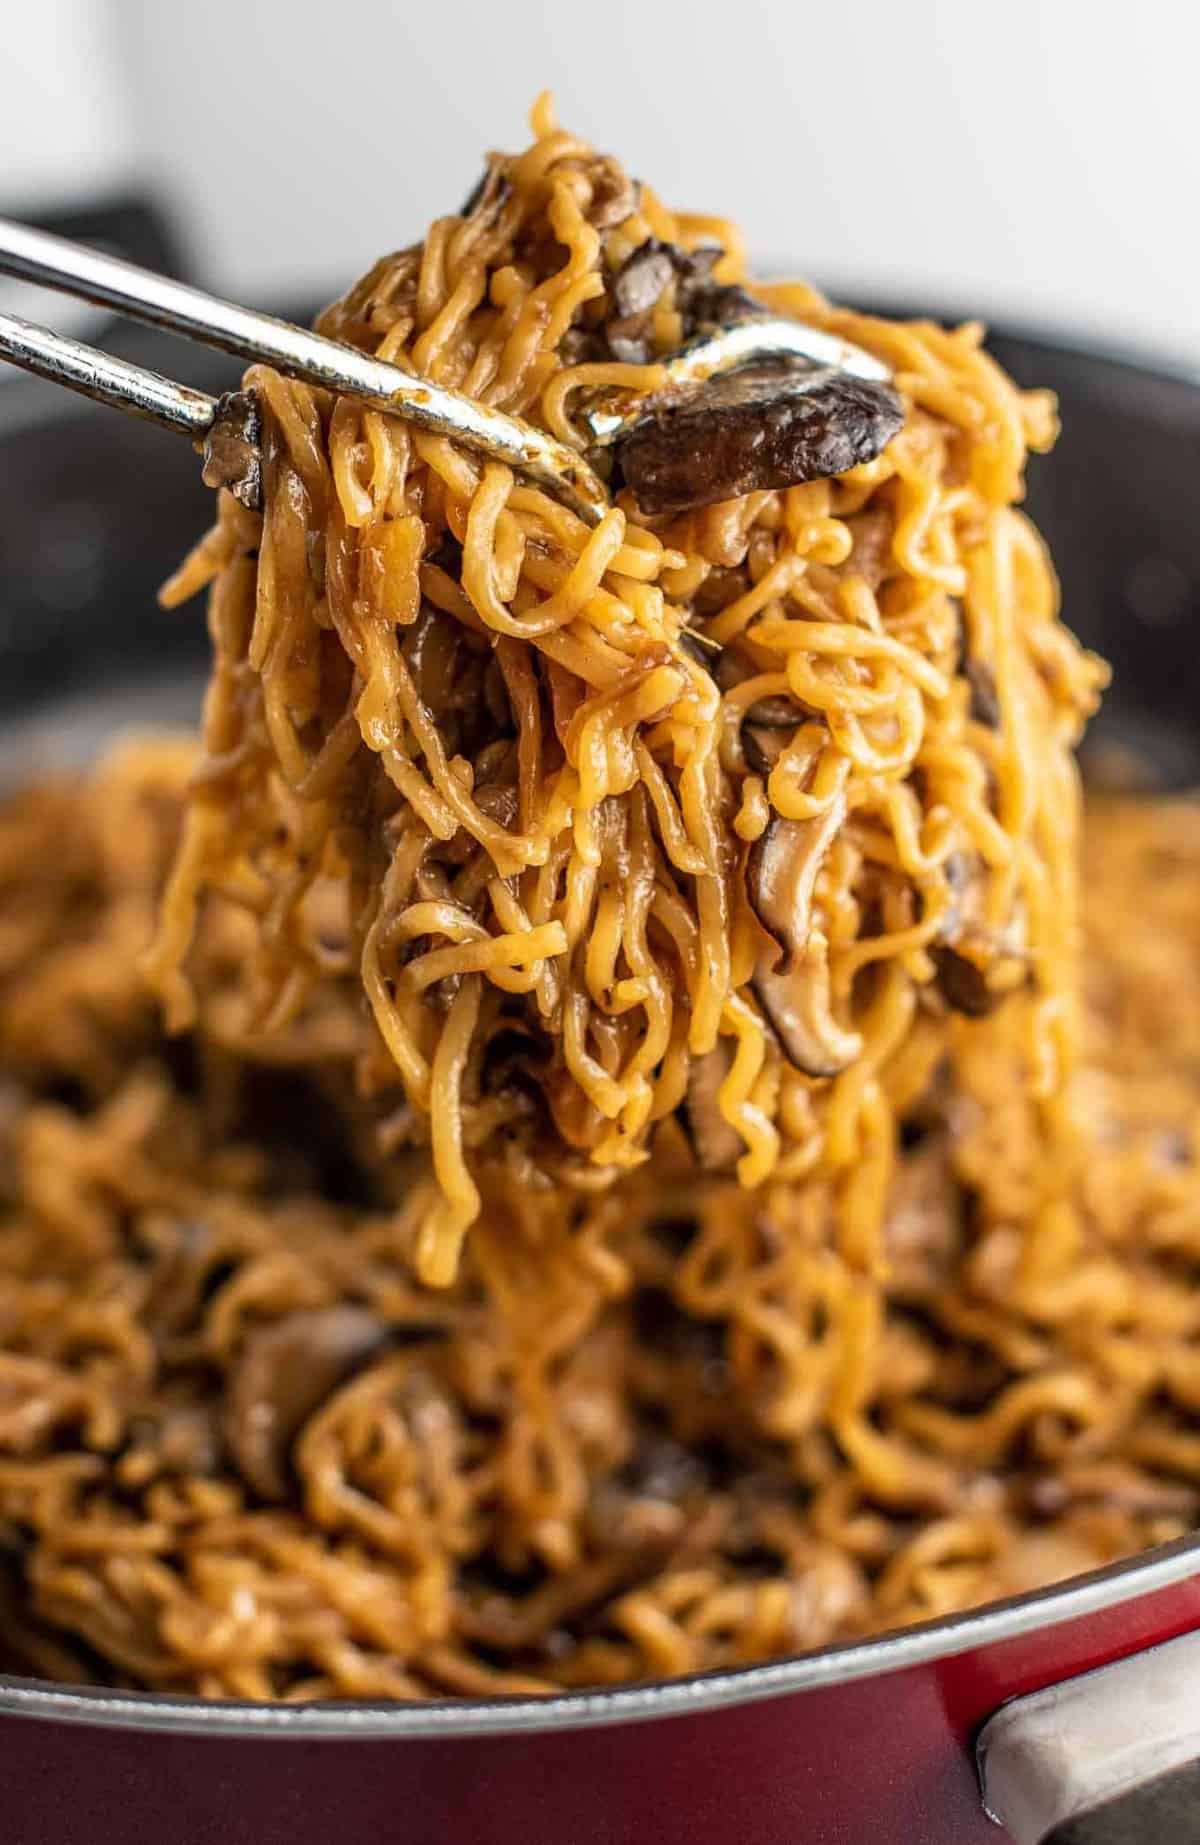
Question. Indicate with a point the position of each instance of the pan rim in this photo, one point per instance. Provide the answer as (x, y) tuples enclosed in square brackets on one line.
[(430, 1720)]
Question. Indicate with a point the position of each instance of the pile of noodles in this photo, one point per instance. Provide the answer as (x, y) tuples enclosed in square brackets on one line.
[(491, 764), (660, 1428), (395, 1325)]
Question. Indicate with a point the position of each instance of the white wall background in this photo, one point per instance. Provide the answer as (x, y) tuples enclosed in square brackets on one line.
[(1037, 159)]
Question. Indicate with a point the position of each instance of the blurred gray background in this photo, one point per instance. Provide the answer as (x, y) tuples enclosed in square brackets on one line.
[(1033, 161)]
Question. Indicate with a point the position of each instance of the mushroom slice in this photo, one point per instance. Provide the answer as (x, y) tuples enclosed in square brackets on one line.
[(763, 426), (513, 1066), (797, 1004), (767, 729), (977, 966), (781, 873), (635, 291), (232, 455), (964, 984), (762, 746), (716, 1144), (285, 1373), (642, 277), (778, 711)]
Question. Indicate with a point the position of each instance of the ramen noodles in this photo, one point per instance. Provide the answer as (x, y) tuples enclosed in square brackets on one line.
[(643, 1164)]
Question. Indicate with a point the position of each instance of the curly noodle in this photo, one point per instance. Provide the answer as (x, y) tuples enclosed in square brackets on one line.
[(631, 1187), (517, 747)]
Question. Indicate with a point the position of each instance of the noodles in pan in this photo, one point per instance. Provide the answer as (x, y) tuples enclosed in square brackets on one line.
[(635, 1181)]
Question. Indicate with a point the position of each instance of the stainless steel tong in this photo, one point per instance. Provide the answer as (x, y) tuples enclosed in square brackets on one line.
[(96, 276)]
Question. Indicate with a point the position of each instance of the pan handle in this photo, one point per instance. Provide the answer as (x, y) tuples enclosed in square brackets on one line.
[(1109, 1758)]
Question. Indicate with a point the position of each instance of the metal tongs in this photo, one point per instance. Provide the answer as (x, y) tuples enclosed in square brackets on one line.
[(96, 276)]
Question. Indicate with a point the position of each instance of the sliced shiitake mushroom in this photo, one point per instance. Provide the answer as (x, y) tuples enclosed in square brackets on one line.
[(283, 1375), (629, 340), (232, 455), (781, 874), (615, 196), (716, 1144), (977, 966), (798, 1007), (762, 746), (767, 729), (777, 712), (766, 425), (699, 648), (964, 984), (513, 1066), (713, 305), (635, 292), (642, 277), (723, 585), (792, 976), (704, 306)]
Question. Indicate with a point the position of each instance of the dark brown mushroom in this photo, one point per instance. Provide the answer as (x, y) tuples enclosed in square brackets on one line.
[(964, 984), (731, 666), (641, 279), (705, 305), (699, 648), (499, 801), (777, 712), (232, 456), (978, 965), (767, 730), (284, 1374), (762, 746), (615, 196), (765, 425), (514, 1066), (781, 874), (723, 585), (635, 292), (712, 306), (797, 1005), (716, 1144)]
